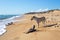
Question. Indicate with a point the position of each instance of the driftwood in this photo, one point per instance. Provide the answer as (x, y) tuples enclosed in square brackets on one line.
[(9, 23), (31, 29), (50, 25)]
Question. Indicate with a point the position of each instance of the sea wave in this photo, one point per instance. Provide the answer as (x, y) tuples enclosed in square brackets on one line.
[(5, 22)]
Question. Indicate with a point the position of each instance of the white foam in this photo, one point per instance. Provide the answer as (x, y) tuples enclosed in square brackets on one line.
[(3, 24), (2, 31)]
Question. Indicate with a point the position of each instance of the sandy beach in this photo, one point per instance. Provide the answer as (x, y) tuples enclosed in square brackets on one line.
[(17, 31)]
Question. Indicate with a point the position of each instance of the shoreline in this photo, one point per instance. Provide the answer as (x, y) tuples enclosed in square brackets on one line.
[(5, 22)]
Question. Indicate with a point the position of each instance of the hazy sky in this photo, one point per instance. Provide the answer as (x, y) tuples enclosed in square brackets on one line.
[(23, 6)]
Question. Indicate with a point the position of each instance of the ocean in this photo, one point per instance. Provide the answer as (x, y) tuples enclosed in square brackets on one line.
[(4, 20), (6, 16)]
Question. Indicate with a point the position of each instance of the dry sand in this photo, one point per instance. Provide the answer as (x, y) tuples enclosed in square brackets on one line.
[(17, 31)]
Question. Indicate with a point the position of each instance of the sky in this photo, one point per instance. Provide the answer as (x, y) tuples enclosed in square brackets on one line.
[(17, 7)]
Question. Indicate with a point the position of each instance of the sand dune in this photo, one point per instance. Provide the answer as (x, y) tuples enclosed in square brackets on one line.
[(17, 30)]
